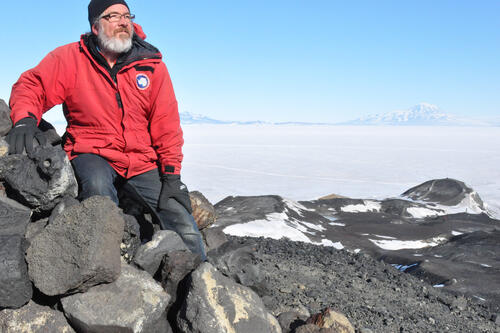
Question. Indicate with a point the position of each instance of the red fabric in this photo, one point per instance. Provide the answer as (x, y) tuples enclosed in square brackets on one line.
[(133, 139)]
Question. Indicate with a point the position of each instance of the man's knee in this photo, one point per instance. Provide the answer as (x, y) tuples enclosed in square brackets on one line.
[(95, 177)]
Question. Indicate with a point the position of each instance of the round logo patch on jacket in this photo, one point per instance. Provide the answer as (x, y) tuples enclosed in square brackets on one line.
[(142, 81)]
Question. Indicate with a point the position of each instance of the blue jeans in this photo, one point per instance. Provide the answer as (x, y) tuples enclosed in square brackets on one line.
[(96, 177)]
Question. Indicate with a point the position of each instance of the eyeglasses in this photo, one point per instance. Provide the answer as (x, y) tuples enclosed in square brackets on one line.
[(115, 17)]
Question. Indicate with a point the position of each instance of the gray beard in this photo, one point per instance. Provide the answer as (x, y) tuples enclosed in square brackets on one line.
[(113, 44)]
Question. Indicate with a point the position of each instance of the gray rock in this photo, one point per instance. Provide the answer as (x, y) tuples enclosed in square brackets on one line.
[(14, 217), (310, 328), (15, 286), (5, 121), (33, 318), (133, 303), (79, 249), (150, 254), (239, 262), (65, 203), (217, 304), (131, 238), (213, 237), (50, 132), (290, 320), (34, 228), (175, 266), (40, 182)]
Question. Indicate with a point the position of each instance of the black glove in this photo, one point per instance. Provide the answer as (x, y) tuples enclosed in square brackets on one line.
[(22, 134), (172, 187)]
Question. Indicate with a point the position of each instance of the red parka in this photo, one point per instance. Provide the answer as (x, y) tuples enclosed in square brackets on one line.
[(126, 114)]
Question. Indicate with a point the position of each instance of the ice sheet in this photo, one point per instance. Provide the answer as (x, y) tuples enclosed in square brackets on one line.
[(307, 162)]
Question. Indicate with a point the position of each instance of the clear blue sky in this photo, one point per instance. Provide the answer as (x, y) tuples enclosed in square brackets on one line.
[(289, 60)]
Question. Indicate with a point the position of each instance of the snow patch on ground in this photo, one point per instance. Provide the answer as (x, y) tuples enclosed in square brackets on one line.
[(393, 245), (337, 224), (295, 206), (313, 226), (386, 237), (277, 226), (327, 242), (367, 206), (274, 226), (421, 212), (468, 205)]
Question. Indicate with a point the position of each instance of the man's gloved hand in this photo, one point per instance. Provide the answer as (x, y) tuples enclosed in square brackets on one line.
[(22, 134), (172, 187)]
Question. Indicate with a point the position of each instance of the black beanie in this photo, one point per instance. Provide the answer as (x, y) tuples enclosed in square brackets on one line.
[(97, 7)]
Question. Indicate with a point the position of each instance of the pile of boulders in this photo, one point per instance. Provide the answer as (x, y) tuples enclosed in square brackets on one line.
[(70, 266)]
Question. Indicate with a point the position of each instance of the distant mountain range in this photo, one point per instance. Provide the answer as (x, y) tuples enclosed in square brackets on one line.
[(188, 118), (423, 114)]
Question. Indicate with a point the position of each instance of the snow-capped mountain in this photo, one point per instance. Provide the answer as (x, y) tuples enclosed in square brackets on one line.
[(418, 115)]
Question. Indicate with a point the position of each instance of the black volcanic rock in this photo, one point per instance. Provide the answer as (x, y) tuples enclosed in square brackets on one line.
[(448, 192), (131, 238), (14, 217), (132, 303), (150, 255), (5, 122), (373, 295), (79, 249), (239, 263), (39, 182), (15, 286)]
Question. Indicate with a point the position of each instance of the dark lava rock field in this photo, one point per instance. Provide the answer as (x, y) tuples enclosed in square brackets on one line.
[(374, 296)]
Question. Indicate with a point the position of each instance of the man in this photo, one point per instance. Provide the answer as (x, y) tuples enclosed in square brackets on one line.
[(123, 123)]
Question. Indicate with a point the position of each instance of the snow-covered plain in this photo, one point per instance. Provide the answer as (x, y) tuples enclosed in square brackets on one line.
[(307, 162)]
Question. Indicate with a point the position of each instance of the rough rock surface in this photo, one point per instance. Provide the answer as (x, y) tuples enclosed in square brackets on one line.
[(5, 121), (15, 286), (175, 266), (33, 318), (64, 204), (331, 319), (203, 210), (150, 254), (14, 217), (213, 238), (133, 303), (311, 328), (79, 249), (41, 182), (131, 238), (239, 263), (374, 296), (216, 304)]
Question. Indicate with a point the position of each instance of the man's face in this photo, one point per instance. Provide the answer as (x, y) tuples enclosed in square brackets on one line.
[(114, 36)]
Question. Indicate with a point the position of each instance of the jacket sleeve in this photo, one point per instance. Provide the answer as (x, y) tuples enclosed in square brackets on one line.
[(38, 89), (165, 128)]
